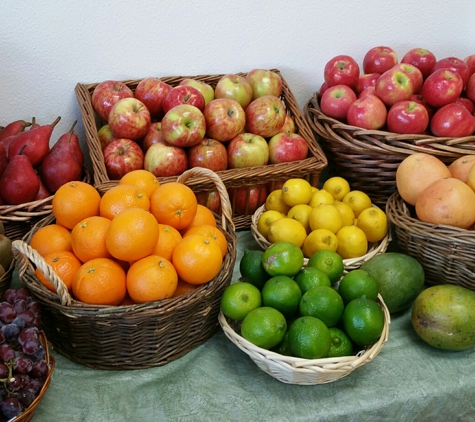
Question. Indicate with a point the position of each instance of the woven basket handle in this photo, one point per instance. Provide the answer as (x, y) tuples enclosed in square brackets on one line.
[(22, 250)]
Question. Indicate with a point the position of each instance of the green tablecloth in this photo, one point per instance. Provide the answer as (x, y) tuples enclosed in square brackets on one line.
[(407, 381)]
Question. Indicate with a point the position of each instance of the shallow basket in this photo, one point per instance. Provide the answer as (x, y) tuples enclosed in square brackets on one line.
[(293, 370), (446, 253), (368, 159), (309, 168), (135, 336)]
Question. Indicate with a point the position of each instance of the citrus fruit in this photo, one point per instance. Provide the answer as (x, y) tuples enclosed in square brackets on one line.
[(329, 262), (88, 238), (121, 197), (357, 200), (318, 240), (301, 213), (325, 216), (51, 238), (283, 348), (265, 219), (265, 327), (183, 287), (460, 168), (296, 191), (471, 178), (374, 223), (340, 345), (145, 180), (352, 242), (286, 229), (282, 293), (337, 186), (239, 299), (309, 277), (212, 232), (168, 237), (357, 283), (251, 268), (309, 338), (324, 303), (282, 258), (274, 202), (347, 214), (203, 216), (64, 264), (321, 197)]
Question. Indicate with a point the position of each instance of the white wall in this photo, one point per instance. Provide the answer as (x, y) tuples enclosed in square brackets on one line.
[(47, 47)]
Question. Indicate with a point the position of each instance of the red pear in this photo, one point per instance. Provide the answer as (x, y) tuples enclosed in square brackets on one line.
[(13, 128), (43, 193), (3, 158), (68, 140)]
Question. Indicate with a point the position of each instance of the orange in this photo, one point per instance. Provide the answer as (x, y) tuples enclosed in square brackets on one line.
[(174, 204), (132, 234), (197, 259), (73, 202), (127, 301), (184, 287), (100, 281), (64, 264), (167, 240), (151, 278), (51, 238), (121, 197), (214, 232), (203, 216), (143, 179), (88, 238)]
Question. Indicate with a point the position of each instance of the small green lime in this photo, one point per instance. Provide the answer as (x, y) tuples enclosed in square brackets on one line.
[(251, 268), (329, 262), (324, 303), (309, 338), (283, 258), (309, 277), (283, 348), (357, 283), (239, 299), (341, 344), (282, 293), (265, 327)]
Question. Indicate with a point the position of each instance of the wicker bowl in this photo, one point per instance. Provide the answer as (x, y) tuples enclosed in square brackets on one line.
[(135, 336)]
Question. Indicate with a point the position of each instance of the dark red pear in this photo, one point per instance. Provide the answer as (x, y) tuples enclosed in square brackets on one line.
[(13, 128), (67, 140), (3, 158), (43, 193)]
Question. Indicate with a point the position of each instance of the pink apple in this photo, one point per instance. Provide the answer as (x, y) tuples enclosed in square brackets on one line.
[(122, 156), (152, 92), (183, 94), (106, 94), (366, 80), (265, 116), (336, 100), (467, 103), (289, 125), (414, 73), (206, 90), (210, 154), (379, 60), (442, 87), (323, 88), (210, 199), (129, 118), (394, 85), (453, 63), (245, 200), (164, 160), (234, 87), (341, 70), (264, 82), (422, 58), (184, 125), (368, 113), (285, 148), (371, 90), (153, 136), (470, 60), (247, 150), (470, 88), (407, 117), (225, 119), (105, 136), (419, 99), (452, 120)]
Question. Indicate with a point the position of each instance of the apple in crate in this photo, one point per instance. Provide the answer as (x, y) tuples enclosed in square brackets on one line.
[(470, 88), (470, 60), (247, 150), (153, 136), (245, 200), (394, 85), (368, 112), (265, 116), (379, 59), (210, 154), (234, 87), (421, 58), (408, 117), (414, 73), (206, 89), (106, 94), (336, 100), (455, 64), (183, 94), (366, 80), (210, 199), (105, 136), (467, 103), (152, 92), (165, 160), (284, 148), (225, 119), (122, 156), (264, 82), (289, 125), (183, 126), (371, 90), (452, 120), (442, 87), (129, 118), (341, 70)]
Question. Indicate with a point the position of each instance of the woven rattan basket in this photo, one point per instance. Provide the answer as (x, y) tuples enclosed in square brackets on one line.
[(134, 336), (6, 278), (293, 370), (446, 253), (369, 159), (309, 168)]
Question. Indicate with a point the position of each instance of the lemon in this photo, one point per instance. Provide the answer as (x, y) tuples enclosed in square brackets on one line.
[(319, 240), (337, 186), (296, 191), (301, 213), (325, 216), (275, 202), (321, 197), (314, 189), (357, 200), (347, 214), (352, 242), (265, 220), (287, 229), (374, 223)]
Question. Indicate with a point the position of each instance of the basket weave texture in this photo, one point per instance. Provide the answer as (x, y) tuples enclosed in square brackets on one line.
[(135, 336), (369, 159), (311, 167), (6, 279)]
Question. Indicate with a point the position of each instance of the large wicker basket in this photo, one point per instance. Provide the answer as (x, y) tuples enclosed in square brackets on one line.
[(135, 336), (369, 159), (309, 168)]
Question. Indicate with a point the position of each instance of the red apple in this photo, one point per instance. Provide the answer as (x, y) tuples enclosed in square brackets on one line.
[(285, 148), (152, 92), (470, 60), (225, 119), (341, 70), (323, 88), (184, 125), (246, 199), (122, 156), (407, 117), (452, 120), (379, 60), (247, 150), (265, 116), (165, 160), (106, 94), (234, 87), (422, 58), (419, 99), (336, 100), (105, 136), (414, 73), (467, 103), (366, 80), (153, 136), (368, 112), (210, 154), (470, 88), (394, 85), (442, 87), (455, 64), (371, 90), (210, 199), (289, 125), (264, 82), (129, 118), (183, 94), (206, 90)]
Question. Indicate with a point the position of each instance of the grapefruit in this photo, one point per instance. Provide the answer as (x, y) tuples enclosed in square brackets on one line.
[(461, 166)]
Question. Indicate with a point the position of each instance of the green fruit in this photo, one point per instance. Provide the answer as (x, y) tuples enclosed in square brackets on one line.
[(329, 262), (400, 278), (6, 252), (265, 327), (356, 284), (2, 271), (282, 293), (239, 299), (341, 344), (324, 303), (283, 258), (309, 277), (444, 317), (309, 338), (251, 268)]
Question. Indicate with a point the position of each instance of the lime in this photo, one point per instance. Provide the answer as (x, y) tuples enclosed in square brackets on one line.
[(282, 293), (341, 344), (329, 262), (309, 338), (357, 283), (251, 268), (363, 321), (283, 348), (265, 327), (239, 299), (309, 277), (324, 303), (282, 258)]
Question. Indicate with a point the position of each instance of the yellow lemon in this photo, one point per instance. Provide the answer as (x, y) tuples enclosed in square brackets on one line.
[(337, 186), (287, 230), (319, 240), (265, 220), (314, 189), (374, 223), (357, 200), (325, 216), (321, 197), (352, 242), (301, 213), (275, 202), (347, 214), (296, 191)]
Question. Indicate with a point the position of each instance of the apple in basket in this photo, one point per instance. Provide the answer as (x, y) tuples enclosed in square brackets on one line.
[(341, 70), (234, 87), (368, 112), (366, 80), (470, 88), (470, 60), (467, 103), (247, 150), (442, 87), (422, 58), (407, 117), (129, 118), (414, 73), (394, 85), (225, 119), (289, 125), (265, 116), (210, 199), (284, 148), (105, 136), (206, 89), (210, 154), (455, 64), (152, 92), (452, 120), (336, 100), (165, 160), (183, 94), (122, 156), (153, 136), (379, 59), (184, 126), (106, 94), (264, 82), (245, 200)]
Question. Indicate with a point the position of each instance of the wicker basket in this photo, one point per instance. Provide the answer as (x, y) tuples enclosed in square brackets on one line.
[(446, 253), (6, 279), (293, 370), (134, 336), (309, 168), (369, 159)]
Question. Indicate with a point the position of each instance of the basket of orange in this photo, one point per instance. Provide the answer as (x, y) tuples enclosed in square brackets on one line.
[(130, 276)]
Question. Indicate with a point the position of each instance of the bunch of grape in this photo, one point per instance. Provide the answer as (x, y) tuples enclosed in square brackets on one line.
[(23, 365)]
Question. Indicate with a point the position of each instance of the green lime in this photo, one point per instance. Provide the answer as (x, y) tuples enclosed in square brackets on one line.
[(282, 293), (309, 277), (309, 338), (239, 299), (283, 258), (341, 344), (251, 268), (265, 327), (324, 303), (329, 262), (358, 283), (283, 348), (363, 321)]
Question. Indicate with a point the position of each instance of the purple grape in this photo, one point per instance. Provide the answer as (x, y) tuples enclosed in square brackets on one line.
[(2, 337), (14, 383), (22, 365), (29, 333), (34, 307), (39, 354), (22, 293), (11, 407), (7, 312), (36, 384), (10, 331), (26, 397), (31, 346), (25, 379), (19, 305), (40, 368), (10, 296), (6, 353), (36, 322), (19, 322), (28, 317), (3, 371)]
